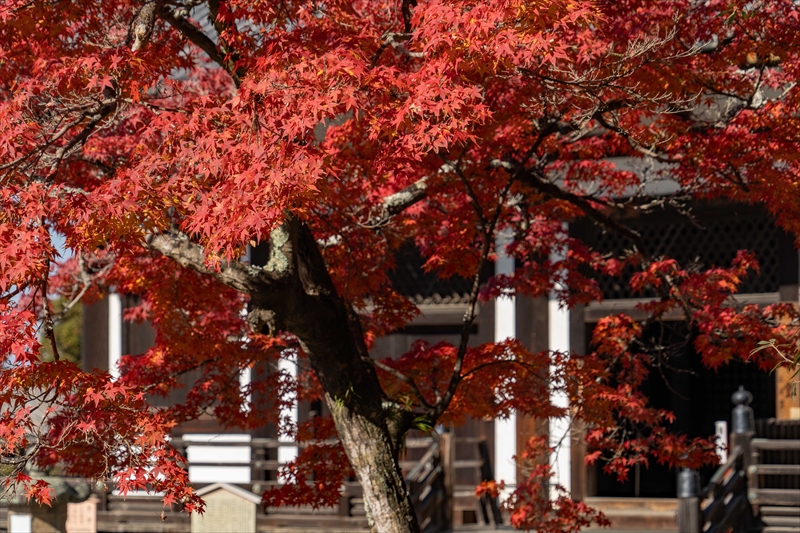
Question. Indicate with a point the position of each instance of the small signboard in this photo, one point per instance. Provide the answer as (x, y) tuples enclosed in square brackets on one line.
[(82, 517), (229, 509)]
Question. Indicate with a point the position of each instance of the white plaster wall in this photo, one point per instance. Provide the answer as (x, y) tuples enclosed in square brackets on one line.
[(238, 457), (559, 428)]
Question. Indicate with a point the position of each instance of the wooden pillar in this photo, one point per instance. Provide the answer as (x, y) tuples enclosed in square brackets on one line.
[(690, 517), (743, 429), (579, 469), (743, 425), (258, 459), (345, 505)]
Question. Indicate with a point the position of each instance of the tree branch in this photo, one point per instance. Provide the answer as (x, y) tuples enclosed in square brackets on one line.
[(142, 25), (407, 5), (48, 318), (391, 206), (178, 247), (469, 316), (195, 35), (396, 203), (222, 27), (476, 204), (554, 191), (404, 378)]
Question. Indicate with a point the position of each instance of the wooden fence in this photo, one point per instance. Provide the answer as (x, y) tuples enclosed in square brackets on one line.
[(429, 466), (431, 492)]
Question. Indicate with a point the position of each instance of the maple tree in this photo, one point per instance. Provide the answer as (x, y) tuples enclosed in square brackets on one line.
[(178, 132)]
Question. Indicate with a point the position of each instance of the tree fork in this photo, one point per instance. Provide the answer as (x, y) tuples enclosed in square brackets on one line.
[(293, 292)]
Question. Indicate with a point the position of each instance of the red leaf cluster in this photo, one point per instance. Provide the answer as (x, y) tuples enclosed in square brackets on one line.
[(449, 125)]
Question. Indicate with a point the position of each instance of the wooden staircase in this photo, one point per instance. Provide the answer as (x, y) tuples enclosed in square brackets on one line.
[(775, 475), (777, 519)]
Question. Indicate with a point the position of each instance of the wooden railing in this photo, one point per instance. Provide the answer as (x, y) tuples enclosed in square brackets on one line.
[(487, 474), (429, 486), (430, 471), (265, 468), (430, 482), (726, 496), (733, 500), (141, 512)]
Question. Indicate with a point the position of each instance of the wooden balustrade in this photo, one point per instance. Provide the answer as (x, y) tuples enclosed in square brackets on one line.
[(427, 488), (727, 504), (733, 500), (431, 480)]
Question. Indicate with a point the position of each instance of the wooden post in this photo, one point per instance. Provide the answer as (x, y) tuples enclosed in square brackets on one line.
[(743, 429), (579, 476), (487, 474), (690, 517), (787, 404), (345, 505), (447, 443), (258, 458)]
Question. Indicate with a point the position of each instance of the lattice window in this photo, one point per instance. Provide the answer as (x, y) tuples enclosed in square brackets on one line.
[(410, 279), (711, 238)]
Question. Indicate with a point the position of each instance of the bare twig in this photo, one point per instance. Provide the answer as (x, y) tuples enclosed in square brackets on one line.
[(471, 313), (402, 377)]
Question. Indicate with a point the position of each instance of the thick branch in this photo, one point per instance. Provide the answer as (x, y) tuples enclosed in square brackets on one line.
[(143, 22), (392, 205), (178, 247), (396, 203), (407, 5), (194, 34)]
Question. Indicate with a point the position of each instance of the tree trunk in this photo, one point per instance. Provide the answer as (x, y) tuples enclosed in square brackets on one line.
[(308, 306), (291, 290), (370, 452)]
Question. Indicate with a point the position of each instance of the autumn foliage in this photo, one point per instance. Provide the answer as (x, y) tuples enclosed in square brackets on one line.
[(160, 139), (537, 504)]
